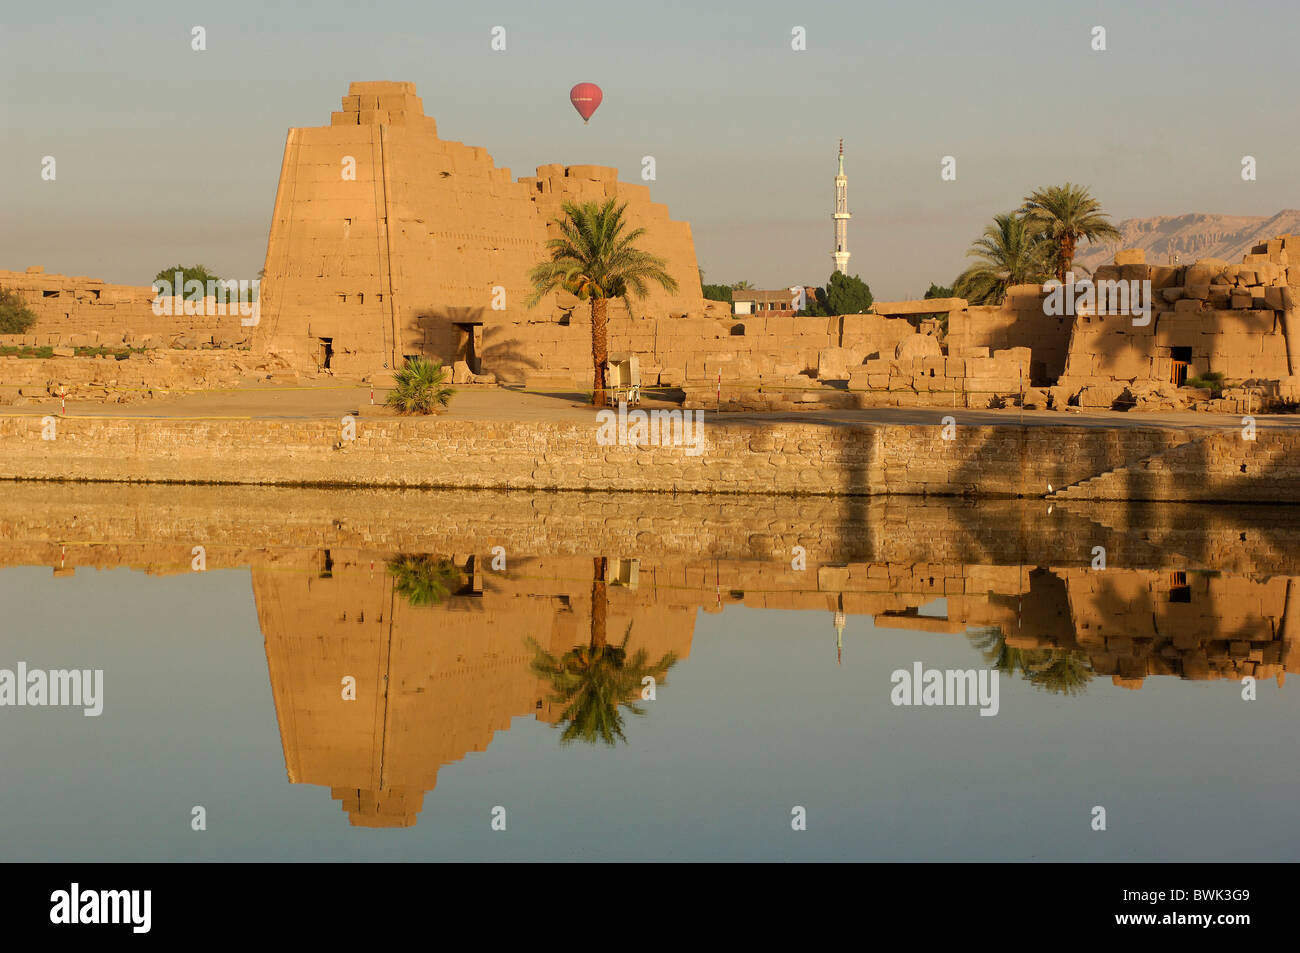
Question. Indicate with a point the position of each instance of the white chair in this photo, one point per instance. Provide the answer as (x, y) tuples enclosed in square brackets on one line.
[(623, 377)]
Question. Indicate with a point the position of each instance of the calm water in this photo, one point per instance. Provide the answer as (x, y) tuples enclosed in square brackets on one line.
[(479, 688)]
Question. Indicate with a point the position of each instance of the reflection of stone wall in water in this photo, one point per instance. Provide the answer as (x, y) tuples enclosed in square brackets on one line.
[(1134, 623), (432, 684), (460, 671), (436, 683)]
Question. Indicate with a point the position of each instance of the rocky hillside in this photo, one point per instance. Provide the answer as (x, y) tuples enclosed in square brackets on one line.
[(1198, 235)]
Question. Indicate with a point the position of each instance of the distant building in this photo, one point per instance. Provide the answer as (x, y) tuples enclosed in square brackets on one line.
[(775, 303)]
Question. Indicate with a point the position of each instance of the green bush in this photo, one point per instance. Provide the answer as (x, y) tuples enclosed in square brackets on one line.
[(420, 388), (15, 316), (198, 273), (843, 294), (1211, 381), (847, 294)]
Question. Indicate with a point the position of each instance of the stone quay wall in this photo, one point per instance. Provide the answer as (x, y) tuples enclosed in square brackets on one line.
[(733, 457)]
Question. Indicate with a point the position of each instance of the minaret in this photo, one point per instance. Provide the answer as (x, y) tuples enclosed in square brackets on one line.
[(841, 216)]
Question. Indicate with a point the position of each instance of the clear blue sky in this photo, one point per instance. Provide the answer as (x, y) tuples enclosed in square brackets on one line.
[(165, 154)]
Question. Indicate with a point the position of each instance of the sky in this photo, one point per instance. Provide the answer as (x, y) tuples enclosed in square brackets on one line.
[(165, 154)]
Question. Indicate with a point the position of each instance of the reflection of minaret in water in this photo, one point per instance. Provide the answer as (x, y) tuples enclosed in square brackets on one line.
[(841, 217), (839, 630)]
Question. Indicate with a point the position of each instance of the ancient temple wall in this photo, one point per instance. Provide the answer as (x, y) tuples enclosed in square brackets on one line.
[(391, 242)]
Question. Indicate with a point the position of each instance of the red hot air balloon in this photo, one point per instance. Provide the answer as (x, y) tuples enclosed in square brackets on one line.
[(585, 98)]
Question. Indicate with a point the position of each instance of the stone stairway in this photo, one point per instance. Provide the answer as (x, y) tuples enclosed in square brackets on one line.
[(1220, 466), (1118, 483)]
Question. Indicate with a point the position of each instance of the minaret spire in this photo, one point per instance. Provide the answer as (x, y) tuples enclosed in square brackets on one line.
[(841, 217)]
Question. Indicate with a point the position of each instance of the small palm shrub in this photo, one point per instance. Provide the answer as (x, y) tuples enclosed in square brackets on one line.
[(421, 388), (423, 580)]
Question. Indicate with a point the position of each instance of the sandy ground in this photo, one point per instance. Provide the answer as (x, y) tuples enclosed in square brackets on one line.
[(485, 402)]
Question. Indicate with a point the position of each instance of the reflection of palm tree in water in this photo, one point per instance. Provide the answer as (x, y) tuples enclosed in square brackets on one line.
[(593, 682), (1059, 671)]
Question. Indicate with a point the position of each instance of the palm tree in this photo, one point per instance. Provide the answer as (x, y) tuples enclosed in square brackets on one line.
[(1063, 214), (1009, 253), (742, 286), (421, 388), (423, 580), (594, 259)]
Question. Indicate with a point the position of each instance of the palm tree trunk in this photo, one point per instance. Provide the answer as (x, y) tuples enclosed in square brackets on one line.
[(1067, 257), (599, 602), (599, 350), (1291, 331)]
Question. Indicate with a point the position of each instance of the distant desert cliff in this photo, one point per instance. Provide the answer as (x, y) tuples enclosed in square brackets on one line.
[(1192, 236)]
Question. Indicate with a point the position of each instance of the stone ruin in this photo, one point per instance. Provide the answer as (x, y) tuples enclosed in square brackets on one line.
[(388, 242), (1237, 321)]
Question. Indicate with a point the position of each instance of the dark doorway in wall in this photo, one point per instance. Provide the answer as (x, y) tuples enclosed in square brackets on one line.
[(325, 355), (1038, 374), (469, 348), (1182, 357)]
